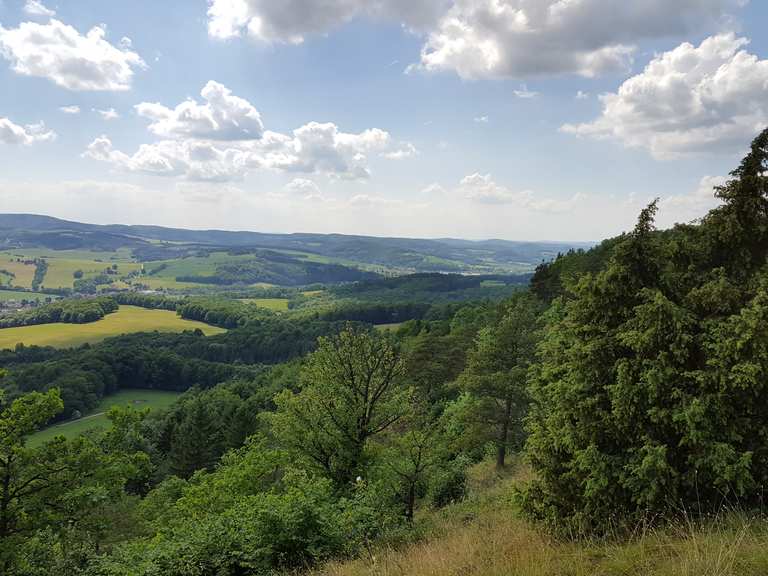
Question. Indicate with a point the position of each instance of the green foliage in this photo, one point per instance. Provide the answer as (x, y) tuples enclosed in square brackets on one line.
[(351, 391), (649, 394), (255, 514), (495, 377), (60, 490), (80, 311)]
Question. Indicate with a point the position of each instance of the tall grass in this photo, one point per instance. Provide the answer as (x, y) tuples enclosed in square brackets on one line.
[(484, 536)]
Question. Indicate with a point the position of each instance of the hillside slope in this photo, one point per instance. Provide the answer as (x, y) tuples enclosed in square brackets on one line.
[(28, 230)]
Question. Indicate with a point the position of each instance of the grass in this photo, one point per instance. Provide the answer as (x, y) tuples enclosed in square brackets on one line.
[(485, 536), (126, 320), (23, 273), (275, 304), (62, 265), (61, 271), (152, 399)]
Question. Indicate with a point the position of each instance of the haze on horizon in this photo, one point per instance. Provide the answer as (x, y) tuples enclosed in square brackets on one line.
[(514, 119)]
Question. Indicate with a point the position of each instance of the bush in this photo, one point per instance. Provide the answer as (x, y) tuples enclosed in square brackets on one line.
[(449, 485)]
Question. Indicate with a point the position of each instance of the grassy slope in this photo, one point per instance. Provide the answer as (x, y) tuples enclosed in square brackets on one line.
[(126, 320), (485, 536), (152, 399)]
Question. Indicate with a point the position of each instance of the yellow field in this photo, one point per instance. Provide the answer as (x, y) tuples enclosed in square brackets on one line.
[(126, 320), (61, 270), (25, 273)]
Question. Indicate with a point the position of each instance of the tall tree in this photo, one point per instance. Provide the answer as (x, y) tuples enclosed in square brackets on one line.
[(496, 372), (352, 390), (650, 393)]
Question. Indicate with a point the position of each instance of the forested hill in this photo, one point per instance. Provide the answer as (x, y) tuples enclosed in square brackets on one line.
[(27, 230)]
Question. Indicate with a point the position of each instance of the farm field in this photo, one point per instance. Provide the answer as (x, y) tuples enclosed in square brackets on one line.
[(126, 320), (62, 265), (23, 274), (61, 271), (140, 399), (274, 304)]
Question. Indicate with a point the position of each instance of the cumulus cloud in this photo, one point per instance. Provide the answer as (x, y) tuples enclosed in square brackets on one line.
[(72, 60), (305, 189), (521, 38), (37, 8), (486, 38), (108, 114), (524, 93), (481, 188), (291, 21), (225, 139), (11, 133), (691, 99), (70, 109), (405, 150), (223, 116)]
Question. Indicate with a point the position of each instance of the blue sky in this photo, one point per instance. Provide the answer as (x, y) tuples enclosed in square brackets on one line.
[(517, 119)]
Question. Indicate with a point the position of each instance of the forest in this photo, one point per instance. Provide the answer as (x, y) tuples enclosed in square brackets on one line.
[(623, 390)]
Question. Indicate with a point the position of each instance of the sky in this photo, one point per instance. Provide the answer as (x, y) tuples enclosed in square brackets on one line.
[(514, 119)]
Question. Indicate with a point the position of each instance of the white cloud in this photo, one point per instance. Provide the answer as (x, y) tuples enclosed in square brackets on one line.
[(581, 95), (481, 188), (433, 190), (11, 133), (524, 93), (108, 114), (305, 189), (70, 109), (291, 21), (522, 38), (486, 38), (37, 8), (225, 139), (222, 117), (481, 119), (687, 207), (405, 150), (73, 61), (688, 100)]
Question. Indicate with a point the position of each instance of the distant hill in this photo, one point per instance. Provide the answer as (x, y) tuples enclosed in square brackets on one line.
[(398, 254)]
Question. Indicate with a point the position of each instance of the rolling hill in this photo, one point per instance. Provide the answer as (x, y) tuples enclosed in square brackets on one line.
[(155, 243)]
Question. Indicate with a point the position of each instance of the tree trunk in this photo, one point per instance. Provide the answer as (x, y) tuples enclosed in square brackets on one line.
[(410, 502), (501, 447)]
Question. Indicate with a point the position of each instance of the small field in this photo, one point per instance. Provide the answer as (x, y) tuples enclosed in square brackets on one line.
[(23, 274), (126, 320), (140, 399), (62, 265), (274, 304)]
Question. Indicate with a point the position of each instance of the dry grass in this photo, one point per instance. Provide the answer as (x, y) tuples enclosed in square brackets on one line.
[(486, 537)]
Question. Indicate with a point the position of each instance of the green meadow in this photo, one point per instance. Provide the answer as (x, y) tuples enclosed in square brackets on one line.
[(126, 320), (141, 399)]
